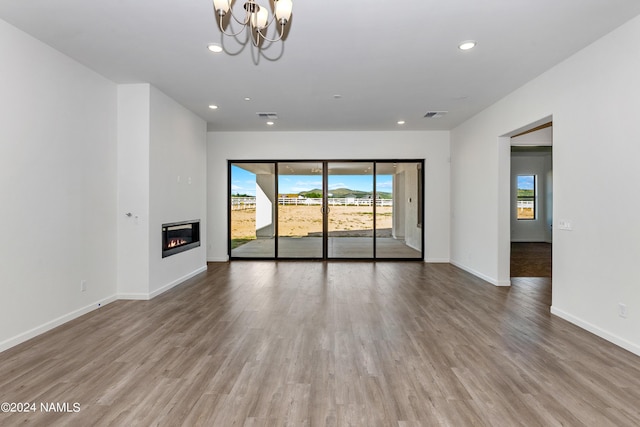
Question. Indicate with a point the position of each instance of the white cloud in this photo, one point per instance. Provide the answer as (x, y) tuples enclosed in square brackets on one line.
[(242, 189), (309, 184)]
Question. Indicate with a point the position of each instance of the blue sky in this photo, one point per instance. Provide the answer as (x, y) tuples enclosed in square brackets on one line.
[(526, 182), (244, 182)]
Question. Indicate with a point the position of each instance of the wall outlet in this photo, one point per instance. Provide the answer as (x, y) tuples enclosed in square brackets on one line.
[(83, 285), (622, 310)]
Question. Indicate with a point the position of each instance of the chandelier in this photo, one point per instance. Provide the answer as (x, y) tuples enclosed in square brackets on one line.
[(256, 19)]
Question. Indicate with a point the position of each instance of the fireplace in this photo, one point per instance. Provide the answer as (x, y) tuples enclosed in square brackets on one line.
[(179, 237)]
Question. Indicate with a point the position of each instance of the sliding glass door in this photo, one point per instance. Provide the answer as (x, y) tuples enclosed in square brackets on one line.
[(399, 210), (252, 201), (300, 210), (350, 206), (326, 209)]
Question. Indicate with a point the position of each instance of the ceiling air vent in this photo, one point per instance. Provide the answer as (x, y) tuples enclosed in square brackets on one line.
[(268, 116), (435, 114)]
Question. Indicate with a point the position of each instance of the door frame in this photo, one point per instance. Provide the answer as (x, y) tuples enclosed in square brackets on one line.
[(325, 196), (504, 198)]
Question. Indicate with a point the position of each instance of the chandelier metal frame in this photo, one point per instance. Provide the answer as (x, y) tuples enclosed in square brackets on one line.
[(256, 19)]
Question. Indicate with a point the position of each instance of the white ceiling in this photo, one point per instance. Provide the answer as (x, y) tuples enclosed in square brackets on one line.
[(386, 63)]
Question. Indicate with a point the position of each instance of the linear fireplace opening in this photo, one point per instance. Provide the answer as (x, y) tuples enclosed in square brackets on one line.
[(179, 237)]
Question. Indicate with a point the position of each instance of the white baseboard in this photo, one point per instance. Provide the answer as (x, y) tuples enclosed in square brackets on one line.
[(176, 282), (621, 342), (437, 260), (165, 288), (502, 283), (218, 259), (481, 276), (18, 339), (142, 297), (25, 336)]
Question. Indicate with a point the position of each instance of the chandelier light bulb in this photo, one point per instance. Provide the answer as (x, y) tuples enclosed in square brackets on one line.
[(221, 6), (260, 18), (283, 11)]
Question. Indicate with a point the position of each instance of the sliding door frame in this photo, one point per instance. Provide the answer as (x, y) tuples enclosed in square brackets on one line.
[(326, 208)]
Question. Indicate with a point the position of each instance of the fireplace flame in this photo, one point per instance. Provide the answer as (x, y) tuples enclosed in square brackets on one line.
[(176, 242)]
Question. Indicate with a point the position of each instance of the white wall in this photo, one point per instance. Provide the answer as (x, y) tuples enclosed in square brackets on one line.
[(432, 146), (399, 206), (265, 205), (133, 190), (58, 187), (162, 179), (594, 98), (538, 229), (178, 180), (409, 201)]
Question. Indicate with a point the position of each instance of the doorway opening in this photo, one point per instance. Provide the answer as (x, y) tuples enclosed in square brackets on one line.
[(531, 207), (289, 209)]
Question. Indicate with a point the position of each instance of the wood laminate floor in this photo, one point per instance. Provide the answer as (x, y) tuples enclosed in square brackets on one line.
[(530, 259), (326, 344)]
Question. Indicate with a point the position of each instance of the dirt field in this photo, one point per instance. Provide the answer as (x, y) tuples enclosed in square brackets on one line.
[(525, 213), (298, 221)]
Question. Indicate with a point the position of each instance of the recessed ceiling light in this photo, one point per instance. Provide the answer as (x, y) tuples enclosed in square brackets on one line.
[(401, 122), (270, 123), (247, 99), (215, 48), (467, 44), (213, 107)]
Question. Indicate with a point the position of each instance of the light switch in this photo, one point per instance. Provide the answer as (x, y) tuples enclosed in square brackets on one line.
[(565, 225)]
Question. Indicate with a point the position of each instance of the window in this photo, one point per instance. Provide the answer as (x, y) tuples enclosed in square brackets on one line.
[(526, 200), (321, 209)]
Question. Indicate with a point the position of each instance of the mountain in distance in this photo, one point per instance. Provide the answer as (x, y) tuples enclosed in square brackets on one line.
[(344, 192)]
